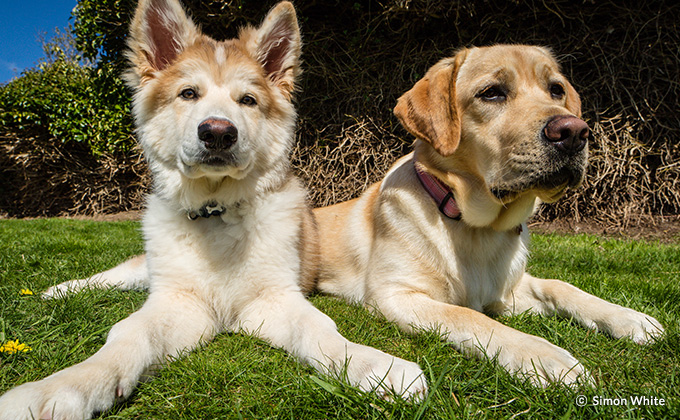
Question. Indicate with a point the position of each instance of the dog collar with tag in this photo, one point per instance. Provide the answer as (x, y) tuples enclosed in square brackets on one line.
[(208, 210), (440, 193)]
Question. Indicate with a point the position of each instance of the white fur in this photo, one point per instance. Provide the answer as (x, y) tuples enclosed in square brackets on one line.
[(239, 272)]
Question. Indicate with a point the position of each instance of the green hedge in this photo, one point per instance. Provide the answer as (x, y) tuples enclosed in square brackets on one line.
[(70, 102)]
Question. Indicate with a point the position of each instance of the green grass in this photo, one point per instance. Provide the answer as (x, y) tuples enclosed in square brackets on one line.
[(241, 377)]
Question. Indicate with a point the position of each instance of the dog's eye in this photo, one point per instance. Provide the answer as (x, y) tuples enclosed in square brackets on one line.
[(248, 100), (493, 94), (189, 94), (556, 91)]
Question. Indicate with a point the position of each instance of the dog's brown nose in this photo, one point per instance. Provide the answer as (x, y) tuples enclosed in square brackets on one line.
[(217, 133), (568, 133)]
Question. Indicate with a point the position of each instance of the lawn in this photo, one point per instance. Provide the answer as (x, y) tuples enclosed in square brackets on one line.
[(237, 376)]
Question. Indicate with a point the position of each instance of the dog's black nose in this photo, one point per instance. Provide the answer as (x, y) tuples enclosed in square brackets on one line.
[(217, 133), (568, 133)]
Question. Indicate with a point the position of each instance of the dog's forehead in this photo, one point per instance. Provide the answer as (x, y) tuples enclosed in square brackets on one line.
[(507, 62), (220, 62), (209, 62)]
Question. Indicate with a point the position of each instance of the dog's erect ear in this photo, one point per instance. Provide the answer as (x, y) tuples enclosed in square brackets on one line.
[(428, 110), (276, 44), (159, 32), (573, 100)]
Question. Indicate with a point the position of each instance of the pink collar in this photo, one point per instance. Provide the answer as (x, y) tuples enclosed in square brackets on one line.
[(443, 195), (440, 192)]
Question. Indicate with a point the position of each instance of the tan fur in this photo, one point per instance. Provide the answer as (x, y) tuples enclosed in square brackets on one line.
[(394, 251), (308, 248)]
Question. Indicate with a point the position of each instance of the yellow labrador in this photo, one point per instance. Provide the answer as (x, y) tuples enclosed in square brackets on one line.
[(442, 238)]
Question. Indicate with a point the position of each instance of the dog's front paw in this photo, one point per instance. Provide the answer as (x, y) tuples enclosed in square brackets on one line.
[(639, 327), (373, 370), (75, 393), (542, 362), (61, 290), (37, 400)]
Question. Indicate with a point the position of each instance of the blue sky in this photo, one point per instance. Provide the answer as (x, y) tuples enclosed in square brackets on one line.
[(22, 23)]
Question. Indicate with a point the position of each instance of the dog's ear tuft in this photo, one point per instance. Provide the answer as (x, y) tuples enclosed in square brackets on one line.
[(276, 44), (428, 110), (159, 32)]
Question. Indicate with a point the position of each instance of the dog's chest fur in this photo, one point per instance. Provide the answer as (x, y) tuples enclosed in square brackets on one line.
[(476, 267), (483, 266), (226, 260)]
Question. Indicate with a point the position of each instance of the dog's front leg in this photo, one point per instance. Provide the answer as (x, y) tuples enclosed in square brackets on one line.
[(474, 333), (550, 297), (287, 320), (165, 326), (131, 274)]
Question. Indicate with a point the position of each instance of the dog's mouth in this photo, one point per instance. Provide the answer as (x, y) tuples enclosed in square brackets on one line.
[(549, 187), (215, 164), (547, 170), (221, 161)]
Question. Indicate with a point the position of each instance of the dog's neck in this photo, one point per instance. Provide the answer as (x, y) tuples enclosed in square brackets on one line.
[(440, 192), (448, 189), (198, 198)]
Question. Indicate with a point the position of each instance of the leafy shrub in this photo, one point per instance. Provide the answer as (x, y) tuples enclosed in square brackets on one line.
[(69, 101), (64, 99)]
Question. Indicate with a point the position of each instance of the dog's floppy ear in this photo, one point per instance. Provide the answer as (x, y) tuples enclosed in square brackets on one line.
[(573, 100), (159, 32), (276, 44), (428, 110)]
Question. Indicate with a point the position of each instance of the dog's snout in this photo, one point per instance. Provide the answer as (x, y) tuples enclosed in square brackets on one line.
[(568, 133), (217, 133)]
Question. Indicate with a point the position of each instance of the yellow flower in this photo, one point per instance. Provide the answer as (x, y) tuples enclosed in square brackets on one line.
[(12, 347), (26, 292)]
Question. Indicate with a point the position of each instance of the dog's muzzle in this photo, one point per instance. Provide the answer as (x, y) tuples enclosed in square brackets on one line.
[(217, 137), (560, 165)]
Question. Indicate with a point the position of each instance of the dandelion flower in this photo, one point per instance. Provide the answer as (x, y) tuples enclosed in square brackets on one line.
[(26, 292), (15, 346)]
